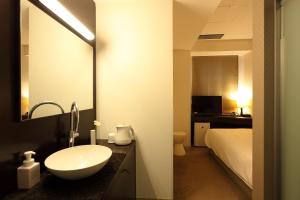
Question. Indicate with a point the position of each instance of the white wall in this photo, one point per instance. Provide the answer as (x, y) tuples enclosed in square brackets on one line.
[(135, 84), (182, 92), (245, 81)]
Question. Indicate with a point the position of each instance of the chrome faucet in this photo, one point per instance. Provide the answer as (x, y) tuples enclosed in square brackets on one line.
[(74, 130)]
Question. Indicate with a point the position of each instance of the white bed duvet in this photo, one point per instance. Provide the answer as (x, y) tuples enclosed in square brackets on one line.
[(234, 148)]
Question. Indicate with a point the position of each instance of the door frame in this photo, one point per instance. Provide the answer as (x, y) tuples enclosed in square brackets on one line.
[(271, 100), (266, 93)]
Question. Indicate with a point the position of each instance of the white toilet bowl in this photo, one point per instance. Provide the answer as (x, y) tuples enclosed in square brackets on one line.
[(179, 138)]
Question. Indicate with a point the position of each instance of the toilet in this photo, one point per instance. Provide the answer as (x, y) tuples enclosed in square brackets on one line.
[(179, 138)]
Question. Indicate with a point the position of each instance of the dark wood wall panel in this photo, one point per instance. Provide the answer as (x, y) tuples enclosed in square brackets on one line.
[(44, 135), (216, 76)]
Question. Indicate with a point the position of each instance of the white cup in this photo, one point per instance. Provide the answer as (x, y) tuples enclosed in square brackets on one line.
[(111, 137)]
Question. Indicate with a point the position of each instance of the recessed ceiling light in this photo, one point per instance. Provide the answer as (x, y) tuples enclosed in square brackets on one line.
[(56, 7)]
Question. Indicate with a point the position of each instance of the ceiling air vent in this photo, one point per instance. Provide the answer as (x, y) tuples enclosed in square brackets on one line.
[(210, 36)]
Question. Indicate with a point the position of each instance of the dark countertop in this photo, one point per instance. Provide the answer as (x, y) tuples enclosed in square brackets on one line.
[(94, 187), (224, 121)]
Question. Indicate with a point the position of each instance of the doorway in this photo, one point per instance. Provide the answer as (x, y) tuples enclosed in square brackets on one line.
[(201, 173)]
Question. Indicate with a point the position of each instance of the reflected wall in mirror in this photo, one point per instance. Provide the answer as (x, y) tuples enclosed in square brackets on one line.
[(56, 65)]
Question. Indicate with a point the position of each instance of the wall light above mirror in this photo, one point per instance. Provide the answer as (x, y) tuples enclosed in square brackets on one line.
[(56, 65), (56, 7)]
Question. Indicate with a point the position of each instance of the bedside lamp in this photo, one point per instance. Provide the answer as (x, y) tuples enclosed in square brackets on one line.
[(241, 105), (242, 101)]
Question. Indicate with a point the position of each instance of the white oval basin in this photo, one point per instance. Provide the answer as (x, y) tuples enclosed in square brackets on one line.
[(78, 162)]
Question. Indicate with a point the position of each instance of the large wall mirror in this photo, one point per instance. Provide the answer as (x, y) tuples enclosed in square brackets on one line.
[(56, 65)]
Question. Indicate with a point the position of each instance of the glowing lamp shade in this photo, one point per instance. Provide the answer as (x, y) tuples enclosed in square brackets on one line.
[(243, 98), (56, 7), (242, 102)]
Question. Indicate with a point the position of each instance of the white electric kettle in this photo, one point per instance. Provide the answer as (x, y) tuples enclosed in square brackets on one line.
[(124, 135)]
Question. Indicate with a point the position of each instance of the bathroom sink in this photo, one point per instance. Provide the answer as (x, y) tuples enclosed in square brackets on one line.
[(78, 162)]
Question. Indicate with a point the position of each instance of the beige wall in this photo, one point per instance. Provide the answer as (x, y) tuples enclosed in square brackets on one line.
[(216, 76), (182, 92), (135, 84), (258, 100), (60, 65), (223, 45), (245, 79)]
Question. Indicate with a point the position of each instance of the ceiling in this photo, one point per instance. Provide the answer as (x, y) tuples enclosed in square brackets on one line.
[(190, 17), (233, 18)]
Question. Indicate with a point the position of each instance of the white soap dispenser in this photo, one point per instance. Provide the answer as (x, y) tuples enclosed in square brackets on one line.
[(29, 172), (97, 128)]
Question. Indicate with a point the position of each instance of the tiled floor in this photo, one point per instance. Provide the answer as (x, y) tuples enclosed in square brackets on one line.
[(197, 176)]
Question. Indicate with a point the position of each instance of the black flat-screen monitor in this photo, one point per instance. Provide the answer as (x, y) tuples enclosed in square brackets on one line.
[(207, 104)]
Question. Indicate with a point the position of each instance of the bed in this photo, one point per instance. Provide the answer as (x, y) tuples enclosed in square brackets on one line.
[(233, 147)]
